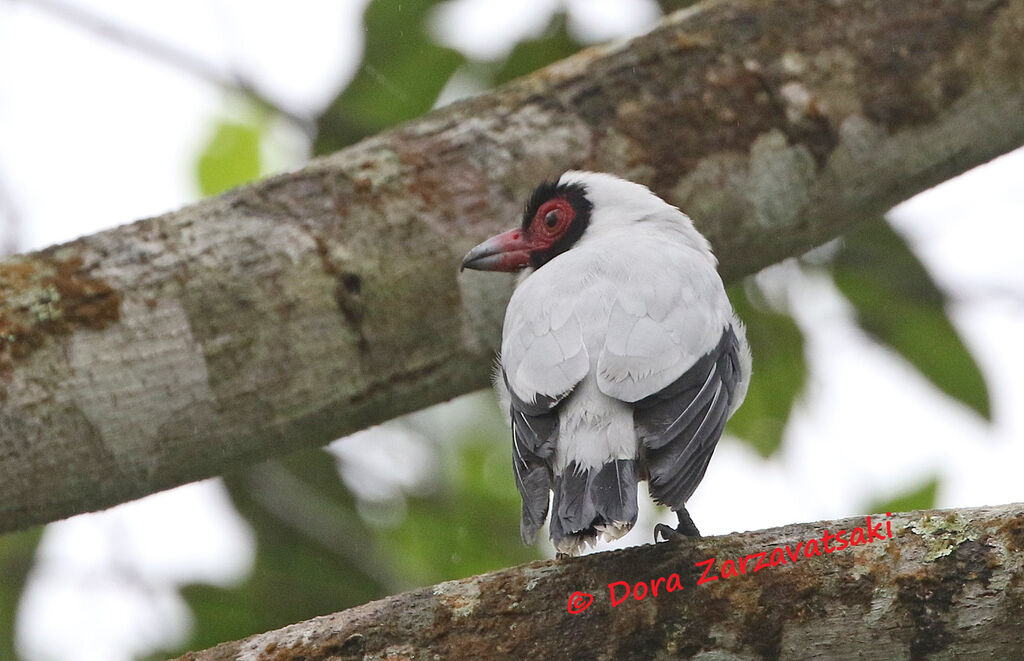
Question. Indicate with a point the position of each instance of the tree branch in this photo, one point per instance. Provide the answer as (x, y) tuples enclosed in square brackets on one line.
[(945, 584), (309, 305)]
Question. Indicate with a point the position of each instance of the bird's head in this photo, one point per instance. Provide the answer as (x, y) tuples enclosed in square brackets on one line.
[(564, 214)]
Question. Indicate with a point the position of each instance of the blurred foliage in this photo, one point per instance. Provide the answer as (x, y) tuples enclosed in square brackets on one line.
[(402, 72), (531, 54), (917, 498), (900, 306), (17, 553), (231, 156), (780, 370), (470, 523), (314, 555), (400, 79)]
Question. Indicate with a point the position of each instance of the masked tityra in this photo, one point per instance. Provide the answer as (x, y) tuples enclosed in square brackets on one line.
[(621, 357)]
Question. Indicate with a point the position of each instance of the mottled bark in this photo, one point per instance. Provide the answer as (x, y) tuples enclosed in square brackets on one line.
[(309, 305), (942, 584)]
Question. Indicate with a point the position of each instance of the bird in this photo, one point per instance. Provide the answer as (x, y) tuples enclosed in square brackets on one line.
[(621, 357)]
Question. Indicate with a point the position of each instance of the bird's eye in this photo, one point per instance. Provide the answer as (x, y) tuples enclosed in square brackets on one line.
[(552, 219)]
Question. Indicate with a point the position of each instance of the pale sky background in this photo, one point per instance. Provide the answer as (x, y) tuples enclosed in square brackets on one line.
[(92, 136)]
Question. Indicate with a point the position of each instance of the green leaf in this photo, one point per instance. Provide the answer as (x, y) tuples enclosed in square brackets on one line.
[(554, 44), (917, 498), (17, 555), (230, 158), (401, 75), (901, 307), (779, 371)]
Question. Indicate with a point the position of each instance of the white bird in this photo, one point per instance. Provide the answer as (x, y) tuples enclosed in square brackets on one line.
[(621, 356)]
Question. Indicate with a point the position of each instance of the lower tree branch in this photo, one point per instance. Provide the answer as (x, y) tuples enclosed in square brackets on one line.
[(304, 307), (943, 584)]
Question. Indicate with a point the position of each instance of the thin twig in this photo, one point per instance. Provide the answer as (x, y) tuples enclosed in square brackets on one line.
[(329, 525), (10, 221), (171, 56)]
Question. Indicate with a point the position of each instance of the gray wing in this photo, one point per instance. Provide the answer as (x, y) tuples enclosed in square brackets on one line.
[(534, 438), (543, 358), (680, 425)]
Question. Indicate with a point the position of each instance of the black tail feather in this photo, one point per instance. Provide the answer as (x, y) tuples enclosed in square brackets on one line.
[(587, 499)]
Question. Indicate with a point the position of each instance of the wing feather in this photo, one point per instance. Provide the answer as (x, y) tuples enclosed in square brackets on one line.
[(666, 314), (680, 425), (534, 438), (543, 353), (543, 358)]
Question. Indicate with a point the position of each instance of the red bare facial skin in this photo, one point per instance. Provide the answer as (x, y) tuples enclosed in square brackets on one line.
[(550, 223), (508, 251)]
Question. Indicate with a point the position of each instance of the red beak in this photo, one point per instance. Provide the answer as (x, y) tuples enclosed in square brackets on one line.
[(508, 251)]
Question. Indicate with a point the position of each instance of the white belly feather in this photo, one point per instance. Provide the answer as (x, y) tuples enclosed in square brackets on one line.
[(593, 429)]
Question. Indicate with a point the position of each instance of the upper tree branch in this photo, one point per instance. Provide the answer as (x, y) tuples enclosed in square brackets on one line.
[(944, 585), (312, 304)]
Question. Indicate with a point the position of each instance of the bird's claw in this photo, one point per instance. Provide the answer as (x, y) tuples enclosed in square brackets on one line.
[(667, 533), (685, 530)]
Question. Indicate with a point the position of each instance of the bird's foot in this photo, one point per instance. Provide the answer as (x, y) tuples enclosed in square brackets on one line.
[(668, 533), (685, 529)]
